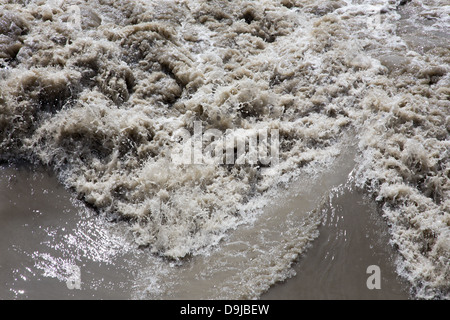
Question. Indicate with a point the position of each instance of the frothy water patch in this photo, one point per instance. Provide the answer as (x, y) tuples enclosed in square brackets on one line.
[(49, 240)]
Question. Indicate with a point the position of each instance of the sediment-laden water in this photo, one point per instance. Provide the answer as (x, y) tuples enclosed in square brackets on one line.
[(99, 91)]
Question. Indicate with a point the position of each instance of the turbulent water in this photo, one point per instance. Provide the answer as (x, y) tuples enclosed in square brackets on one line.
[(98, 91)]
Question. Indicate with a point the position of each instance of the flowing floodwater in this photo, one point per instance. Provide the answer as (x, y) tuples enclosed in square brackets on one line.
[(352, 238), (350, 98), (45, 232)]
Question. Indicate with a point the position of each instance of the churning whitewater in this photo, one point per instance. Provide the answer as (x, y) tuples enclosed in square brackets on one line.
[(99, 90)]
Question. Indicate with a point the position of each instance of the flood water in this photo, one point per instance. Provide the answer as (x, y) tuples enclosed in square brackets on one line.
[(352, 238), (45, 233), (353, 94)]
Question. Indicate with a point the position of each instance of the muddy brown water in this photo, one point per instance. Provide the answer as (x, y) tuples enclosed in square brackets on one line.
[(44, 232)]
